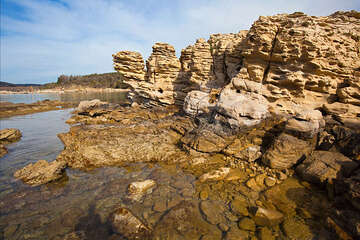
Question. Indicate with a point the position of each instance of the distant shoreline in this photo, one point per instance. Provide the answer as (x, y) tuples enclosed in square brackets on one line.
[(60, 91)]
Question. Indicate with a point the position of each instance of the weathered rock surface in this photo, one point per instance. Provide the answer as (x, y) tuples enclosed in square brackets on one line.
[(124, 135), (126, 224), (286, 151), (136, 190), (9, 135), (323, 166), (187, 223), (268, 217), (41, 172), (8, 109)]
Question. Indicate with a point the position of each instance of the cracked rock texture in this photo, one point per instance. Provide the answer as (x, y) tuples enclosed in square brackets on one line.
[(289, 59)]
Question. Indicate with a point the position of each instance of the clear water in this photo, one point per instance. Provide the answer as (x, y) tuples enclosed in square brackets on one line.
[(82, 201)]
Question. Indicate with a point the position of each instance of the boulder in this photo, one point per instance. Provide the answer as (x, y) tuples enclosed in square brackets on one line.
[(125, 223), (41, 172), (242, 109), (186, 222), (137, 190), (321, 167), (286, 151), (216, 175), (197, 102), (268, 217), (9, 135)]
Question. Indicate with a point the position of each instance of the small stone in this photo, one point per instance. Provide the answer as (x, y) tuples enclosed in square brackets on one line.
[(251, 183), (204, 195), (223, 227), (236, 234), (270, 181), (281, 176), (247, 224), (267, 217), (160, 205), (137, 189), (239, 207), (266, 234)]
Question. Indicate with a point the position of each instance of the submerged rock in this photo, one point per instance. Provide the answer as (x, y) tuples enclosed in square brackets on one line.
[(186, 222), (125, 223), (268, 217), (137, 190), (41, 172)]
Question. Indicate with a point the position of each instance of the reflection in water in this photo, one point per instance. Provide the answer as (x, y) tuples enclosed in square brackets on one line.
[(114, 97)]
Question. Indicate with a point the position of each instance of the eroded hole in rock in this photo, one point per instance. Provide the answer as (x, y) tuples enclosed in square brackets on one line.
[(237, 91), (160, 90)]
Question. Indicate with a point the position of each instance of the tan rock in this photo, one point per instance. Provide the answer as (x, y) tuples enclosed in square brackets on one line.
[(41, 172), (137, 189), (286, 151), (9, 135), (267, 217)]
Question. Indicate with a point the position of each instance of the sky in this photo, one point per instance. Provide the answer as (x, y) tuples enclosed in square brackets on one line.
[(42, 39)]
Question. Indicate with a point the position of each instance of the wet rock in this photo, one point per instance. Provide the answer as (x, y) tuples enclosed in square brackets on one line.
[(213, 211), (236, 175), (350, 187), (215, 175), (286, 151), (239, 207), (78, 235), (187, 223), (270, 181), (204, 195), (137, 190), (268, 217), (296, 229), (247, 224), (125, 223), (41, 172), (323, 166), (9, 135), (3, 150), (160, 205), (235, 234), (339, 231), (266, 234)]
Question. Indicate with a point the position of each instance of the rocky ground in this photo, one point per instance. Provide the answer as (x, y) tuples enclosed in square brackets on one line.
[(8, 109), (7, 136), (264, 125)]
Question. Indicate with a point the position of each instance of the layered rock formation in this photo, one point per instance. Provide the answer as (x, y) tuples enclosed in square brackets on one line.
[(7, 136), (286, 93)]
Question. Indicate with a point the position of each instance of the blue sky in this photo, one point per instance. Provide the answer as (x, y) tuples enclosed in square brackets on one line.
[(42, 39)]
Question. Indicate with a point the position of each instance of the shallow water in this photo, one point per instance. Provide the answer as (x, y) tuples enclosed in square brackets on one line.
[(82, 201), (114, 97)]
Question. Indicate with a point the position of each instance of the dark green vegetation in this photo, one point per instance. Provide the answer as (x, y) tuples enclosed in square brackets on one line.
[(104, 80)]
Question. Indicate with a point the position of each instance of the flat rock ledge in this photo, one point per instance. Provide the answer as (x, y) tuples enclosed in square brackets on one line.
[(7, 136), (41, 172)]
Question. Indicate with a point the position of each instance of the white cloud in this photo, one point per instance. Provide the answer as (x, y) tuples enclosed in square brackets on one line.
[(79, 37)]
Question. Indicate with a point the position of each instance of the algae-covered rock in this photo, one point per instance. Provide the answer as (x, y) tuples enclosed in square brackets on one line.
[(297, 230), (247, 224)]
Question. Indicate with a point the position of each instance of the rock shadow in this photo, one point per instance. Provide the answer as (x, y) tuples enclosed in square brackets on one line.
[(92, 226)]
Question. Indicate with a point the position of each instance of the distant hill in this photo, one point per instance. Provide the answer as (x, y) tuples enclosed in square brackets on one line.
[(103, 80), (6, 84)]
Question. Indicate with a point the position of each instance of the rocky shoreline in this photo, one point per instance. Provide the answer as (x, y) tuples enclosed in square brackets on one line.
[(8, 109), (265, 122)]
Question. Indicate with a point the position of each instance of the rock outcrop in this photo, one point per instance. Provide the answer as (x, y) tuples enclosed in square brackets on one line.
[(7, 136), (41, 172)]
